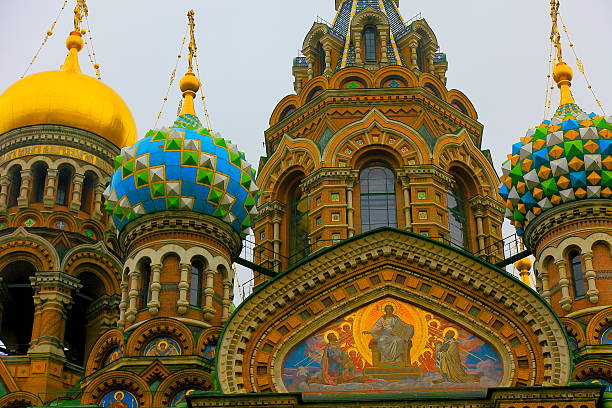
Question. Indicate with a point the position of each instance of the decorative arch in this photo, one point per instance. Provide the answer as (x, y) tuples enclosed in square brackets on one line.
[(106, 265), (64, 216), (369, 16), (316, 83), (111, 339), (179, 381), (383, 75), (20, 399), (208, 337), (38, 247), (287, 101), (317, 31), (36, 159), (592, 369), (117, 380), (153, 328), (341, 77), (23, 219), (456, 95), (575, 331), (426, 79), (598, 324), (426, 33), (6, 167)]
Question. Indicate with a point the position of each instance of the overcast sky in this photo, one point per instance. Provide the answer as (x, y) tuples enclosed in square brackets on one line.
[(497, 55)]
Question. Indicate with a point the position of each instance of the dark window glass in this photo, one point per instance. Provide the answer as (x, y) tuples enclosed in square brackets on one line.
[(87, 192), (577, 273), (63, 186), (146, 283), (420, 56), (194, 287), (298, 226), (14, 187), (377, 185), (370, 43), (457, 220), (321, 56), (39, 179)]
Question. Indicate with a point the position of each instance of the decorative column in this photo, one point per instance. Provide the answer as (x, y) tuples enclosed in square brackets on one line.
[(590, 276), (350, 207), (49, 198), (133, 294), (383, 45), (182, 303), (405, 180), (357, 41), (566, 300), (429, 57), (310, 60), (328, 61), (97, 213), (26, 178), (124, 301), (413, 44), (209, 291), (52, 300), (4, 186), (545, 284), (153, 304), (226, 301), (77, 185), (523, 266)]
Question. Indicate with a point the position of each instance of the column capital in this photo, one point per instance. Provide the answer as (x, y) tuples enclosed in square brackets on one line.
[(587, 256), (50, 280)]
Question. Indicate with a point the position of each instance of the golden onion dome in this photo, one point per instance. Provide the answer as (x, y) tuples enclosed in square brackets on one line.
[(70, 98)]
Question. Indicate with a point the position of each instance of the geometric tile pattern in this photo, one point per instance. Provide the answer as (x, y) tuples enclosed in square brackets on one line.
[(564, 159), (186, 167)]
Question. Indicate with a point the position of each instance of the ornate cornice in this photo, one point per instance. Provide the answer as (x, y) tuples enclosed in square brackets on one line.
[(274, 209), (182, 223), (547, 223), (342, 174), (426, 171), (484, 203)]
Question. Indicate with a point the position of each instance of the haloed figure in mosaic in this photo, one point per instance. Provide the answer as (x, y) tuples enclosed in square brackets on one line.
[(448, 361), (392, 336)]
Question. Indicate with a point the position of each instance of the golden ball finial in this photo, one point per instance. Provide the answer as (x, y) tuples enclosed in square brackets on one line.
[(523, 264), (74, 40), (562, 72), (189, 83)]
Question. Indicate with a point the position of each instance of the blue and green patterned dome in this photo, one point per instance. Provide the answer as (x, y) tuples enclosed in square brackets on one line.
[(564, 159), (186, 167)]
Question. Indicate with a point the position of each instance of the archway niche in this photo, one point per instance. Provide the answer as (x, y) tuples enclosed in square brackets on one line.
[(17, 307)]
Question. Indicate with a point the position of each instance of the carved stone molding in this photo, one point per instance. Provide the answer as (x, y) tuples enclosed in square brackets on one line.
[(426, 171)]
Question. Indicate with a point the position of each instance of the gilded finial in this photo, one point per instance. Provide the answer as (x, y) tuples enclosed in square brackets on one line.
[(523, 266), (189, 84), (562, 73), (74, 42), (80, 12)]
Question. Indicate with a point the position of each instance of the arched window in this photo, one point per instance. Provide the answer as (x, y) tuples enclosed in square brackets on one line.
[(145, 273), (431, 88), (64, 179), (298, 225), (457, 104), (457, 217), (14, 187), (18, 318), (195, 291), (321, 58), (420, 57), (577, 273), (39, 180), (377, 187), (369, 34), (287, 111), (87, 193)]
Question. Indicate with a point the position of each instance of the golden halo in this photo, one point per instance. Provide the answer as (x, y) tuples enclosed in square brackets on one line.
[(392, 304), (163, 343), (352, 349), (330, 332), (455, 331), (119, 395), (345, 326), (189, 392), (428, 349)]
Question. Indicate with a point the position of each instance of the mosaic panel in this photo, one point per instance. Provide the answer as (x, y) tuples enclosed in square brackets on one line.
[(162, 347), (119, 399)]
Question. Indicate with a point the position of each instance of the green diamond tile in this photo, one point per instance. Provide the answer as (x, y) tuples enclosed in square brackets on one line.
[(158, 190), (127, 169), (247, 222), (215, 195), (245, 180), (249, 202), (158, 136), (108, 206), (189, 158), (573, 148), (601, 123), (220, 212), (235, 159), (141, 178), (540, 133), (516, 173), (172, 203), (204, 176), (549, 186), (118, 162), (606, 178), (219, 141), (518, 216), (174, 144), (130, 216)]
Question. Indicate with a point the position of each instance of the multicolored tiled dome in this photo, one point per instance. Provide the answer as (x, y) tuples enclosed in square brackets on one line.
[(564, 159), (186, 167)]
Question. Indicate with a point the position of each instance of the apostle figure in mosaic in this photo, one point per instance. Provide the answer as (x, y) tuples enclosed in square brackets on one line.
[(448, 361), (393, 337), (333, 361)]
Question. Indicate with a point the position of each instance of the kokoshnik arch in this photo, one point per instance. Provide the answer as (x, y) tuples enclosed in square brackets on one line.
[(377, 218)]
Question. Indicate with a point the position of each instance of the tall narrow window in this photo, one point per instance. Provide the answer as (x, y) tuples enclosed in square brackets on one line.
[(298, 226), (577, 273), (145, 273), (420, 57), (457, 217), (377, 185), (39, 179), (321, 53), (195, 291), (14, 187), (87, 192), (64, 180), (370, 43)]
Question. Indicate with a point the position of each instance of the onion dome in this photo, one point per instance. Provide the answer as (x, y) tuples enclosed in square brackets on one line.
[(69, 98), (186, 167), (564, 159)]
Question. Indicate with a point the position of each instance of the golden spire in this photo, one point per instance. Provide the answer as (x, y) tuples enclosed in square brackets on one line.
[(523, 266), (74, 42), (562, 73), (189, 84)]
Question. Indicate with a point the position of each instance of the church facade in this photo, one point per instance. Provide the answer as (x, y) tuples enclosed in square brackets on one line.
[(378, 254)]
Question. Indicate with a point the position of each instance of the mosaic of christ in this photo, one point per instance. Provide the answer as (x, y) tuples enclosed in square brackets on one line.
[(389, 345)]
